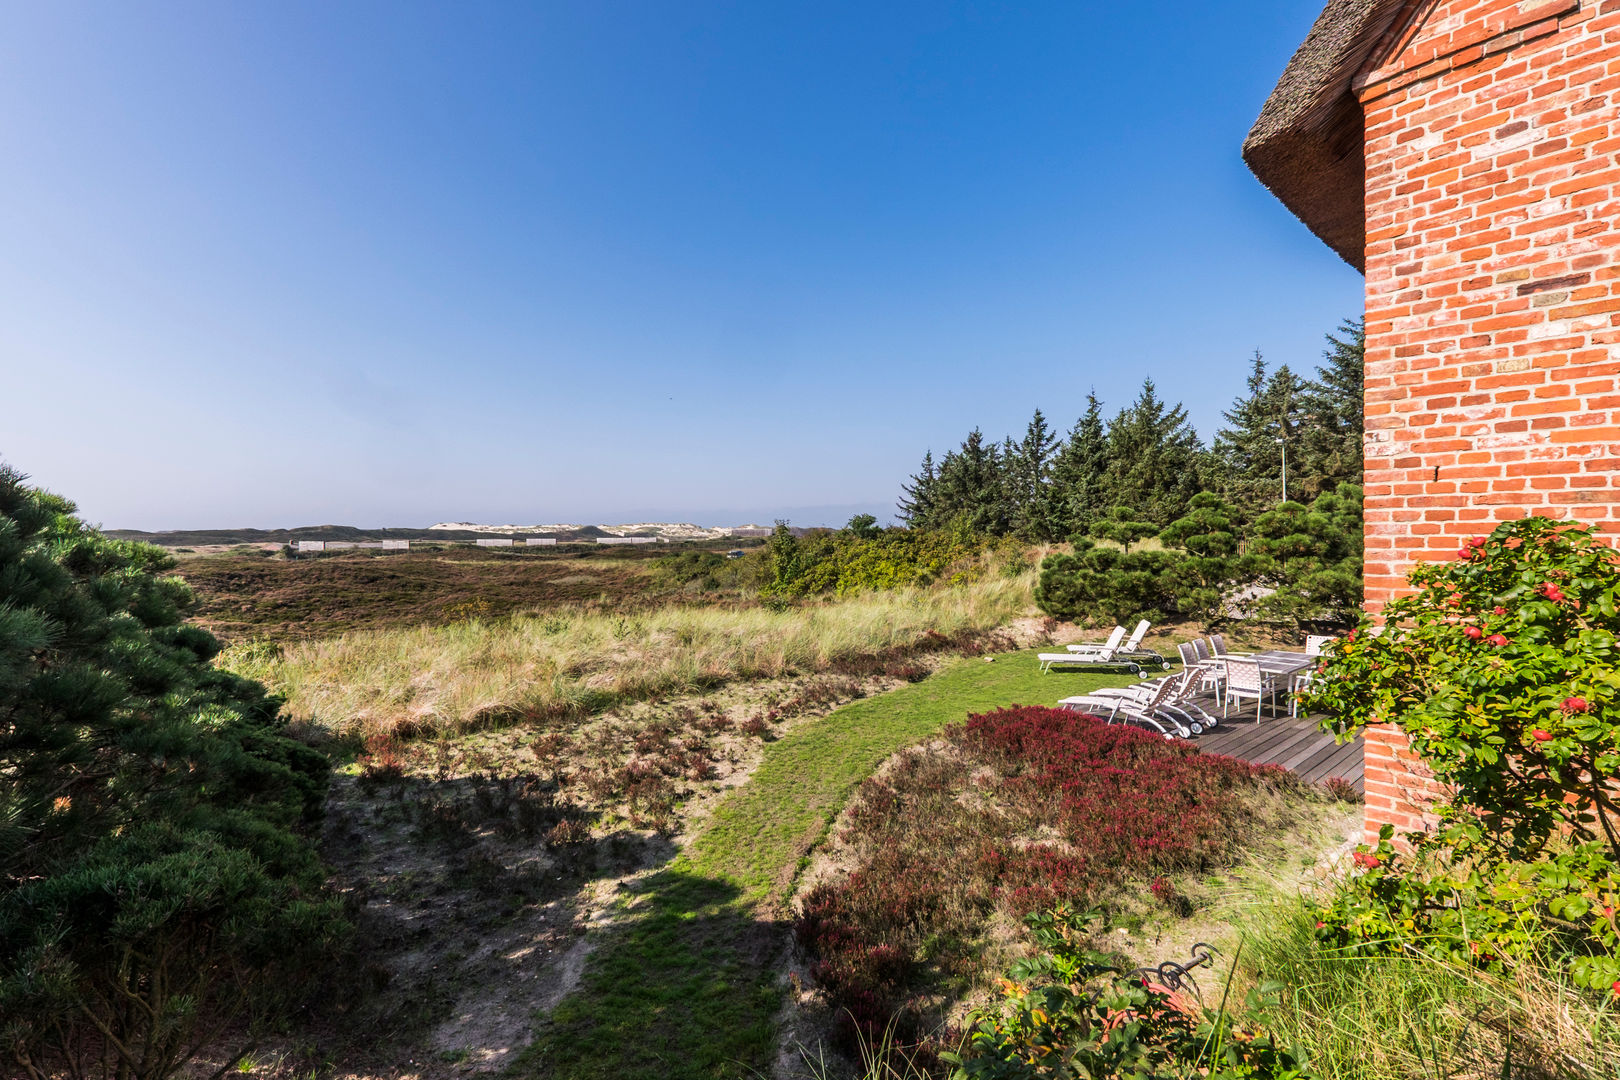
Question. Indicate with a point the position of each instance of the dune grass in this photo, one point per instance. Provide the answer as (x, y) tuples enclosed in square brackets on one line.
[(685, 988), (453, 678), (1382, 1018)]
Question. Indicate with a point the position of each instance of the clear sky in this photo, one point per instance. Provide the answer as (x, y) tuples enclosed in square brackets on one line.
[(286, 263)]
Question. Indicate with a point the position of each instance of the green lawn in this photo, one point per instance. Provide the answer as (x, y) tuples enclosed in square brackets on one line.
[(760, 834), (686, 989)]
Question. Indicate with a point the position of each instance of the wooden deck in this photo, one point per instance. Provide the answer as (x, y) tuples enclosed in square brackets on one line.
[(1295, 743)]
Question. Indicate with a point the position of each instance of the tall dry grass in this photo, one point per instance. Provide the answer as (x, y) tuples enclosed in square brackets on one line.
[(449, 678), (1417, 1018)]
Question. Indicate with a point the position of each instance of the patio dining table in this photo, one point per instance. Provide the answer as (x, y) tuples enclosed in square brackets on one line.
[(1283, 662)]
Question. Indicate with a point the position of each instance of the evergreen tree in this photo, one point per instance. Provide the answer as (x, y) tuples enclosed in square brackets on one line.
[(1210, 567), (1154, 459), (1248, 451), (1331, 441), (1077, 472), (156, 870), (1311, 556), (917, 496), (1029, 473), (1123, 526), (970, 488)]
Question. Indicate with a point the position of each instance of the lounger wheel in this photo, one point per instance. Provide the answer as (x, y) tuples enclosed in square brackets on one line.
[(1164, 665), (1197, 728)]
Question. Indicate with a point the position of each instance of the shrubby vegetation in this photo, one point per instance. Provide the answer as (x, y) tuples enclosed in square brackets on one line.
[(1147, 458), (1070, 1010), (1163, 527), (570, 663), (1027, 808), (1502, 670), (1300, 564), (157, 886)]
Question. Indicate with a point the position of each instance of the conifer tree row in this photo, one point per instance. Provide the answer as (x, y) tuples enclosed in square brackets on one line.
[(1148, 458)]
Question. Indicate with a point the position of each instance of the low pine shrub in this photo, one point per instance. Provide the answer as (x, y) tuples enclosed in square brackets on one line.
[(1020, 810)]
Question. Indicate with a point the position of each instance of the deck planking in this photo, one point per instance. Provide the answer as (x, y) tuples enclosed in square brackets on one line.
[(1295, 743)]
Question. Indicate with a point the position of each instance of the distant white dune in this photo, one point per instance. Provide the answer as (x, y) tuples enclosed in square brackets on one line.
[(665, 529)]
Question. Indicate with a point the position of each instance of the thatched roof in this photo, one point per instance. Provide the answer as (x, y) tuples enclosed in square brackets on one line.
[(1307, 144)]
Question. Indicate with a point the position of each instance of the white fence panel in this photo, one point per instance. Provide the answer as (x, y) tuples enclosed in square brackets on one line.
[(541, 541), (494, 543)]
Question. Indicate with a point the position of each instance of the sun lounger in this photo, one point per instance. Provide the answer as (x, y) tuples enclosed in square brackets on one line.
[(1103, 655), (1131, 649), (1128, 710)]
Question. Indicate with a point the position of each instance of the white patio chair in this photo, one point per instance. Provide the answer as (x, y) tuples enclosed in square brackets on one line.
[(1217, 647), (1211, 673), (1245, 680)]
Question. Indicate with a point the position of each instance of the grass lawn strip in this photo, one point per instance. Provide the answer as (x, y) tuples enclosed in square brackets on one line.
[(686, 987)]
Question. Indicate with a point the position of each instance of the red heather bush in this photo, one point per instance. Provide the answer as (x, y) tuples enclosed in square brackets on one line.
[(1021, 809)]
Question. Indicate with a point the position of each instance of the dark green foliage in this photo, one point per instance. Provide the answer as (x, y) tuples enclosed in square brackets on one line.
[(1221, 513), (1122, 527), (917, 496), (863, 527), (1078, 491), (1209, 565), (156, 882), (1106, 584), (1248, 449), (1154, 458), (1330, 446), (1311, 556), (1029, 472), (972, 488), (691, 569)]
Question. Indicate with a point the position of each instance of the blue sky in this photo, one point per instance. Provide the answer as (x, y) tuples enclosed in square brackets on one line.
[(293, 263)]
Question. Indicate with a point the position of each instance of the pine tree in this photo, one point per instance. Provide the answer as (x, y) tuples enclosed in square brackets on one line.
[(1331, 442), (1247, 449), (1154, 459), (156, 872), (917, 497), (970, 488), (1029, 473), (1077, 472)]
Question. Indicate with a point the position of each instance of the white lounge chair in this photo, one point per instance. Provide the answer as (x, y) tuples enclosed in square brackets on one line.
[(1130, 645), (1103, 654), (1140, 713), (1131, 649), (1111, 646), (1177, 706)]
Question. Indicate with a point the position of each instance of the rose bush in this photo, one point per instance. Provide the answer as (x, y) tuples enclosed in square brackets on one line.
[(1501, 669)]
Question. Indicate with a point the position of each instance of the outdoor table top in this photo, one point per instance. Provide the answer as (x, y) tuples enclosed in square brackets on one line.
[(1280, 661)]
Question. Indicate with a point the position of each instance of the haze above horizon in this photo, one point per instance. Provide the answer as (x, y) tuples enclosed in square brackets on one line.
[(381, 264)]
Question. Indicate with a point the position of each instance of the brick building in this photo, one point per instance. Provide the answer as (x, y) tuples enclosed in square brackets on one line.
[(1465, 156)]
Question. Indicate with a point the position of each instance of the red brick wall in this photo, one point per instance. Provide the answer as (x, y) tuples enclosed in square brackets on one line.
[(1493, 293)]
